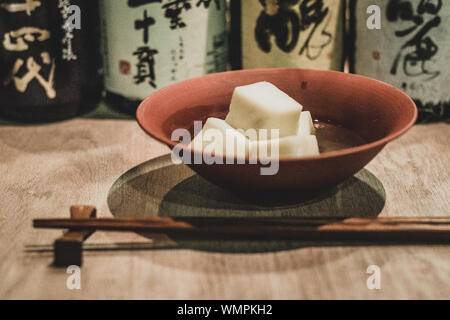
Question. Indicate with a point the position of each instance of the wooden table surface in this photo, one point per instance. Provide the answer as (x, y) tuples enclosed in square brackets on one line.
[(46, 168)]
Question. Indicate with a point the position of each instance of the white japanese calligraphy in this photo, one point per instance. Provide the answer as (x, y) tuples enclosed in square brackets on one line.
[(33, 68), (15, 40), (28, 6)]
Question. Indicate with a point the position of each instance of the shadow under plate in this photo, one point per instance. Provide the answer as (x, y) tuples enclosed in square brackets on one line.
[(160, 188)]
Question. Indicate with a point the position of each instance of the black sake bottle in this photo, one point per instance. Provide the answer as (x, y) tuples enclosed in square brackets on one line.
[(49, 58), (287, 33), (410, 49)]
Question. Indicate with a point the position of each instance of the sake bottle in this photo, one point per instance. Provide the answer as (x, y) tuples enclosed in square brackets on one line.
[(287, 33), (405, 43), (148, 45), (49, 58)]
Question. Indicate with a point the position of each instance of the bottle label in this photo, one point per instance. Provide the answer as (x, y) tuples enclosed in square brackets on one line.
[(43, 50), (149, 44), (292, 33), (411, 50)]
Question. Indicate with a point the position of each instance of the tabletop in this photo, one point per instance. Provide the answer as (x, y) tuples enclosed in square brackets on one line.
[(46, 168)]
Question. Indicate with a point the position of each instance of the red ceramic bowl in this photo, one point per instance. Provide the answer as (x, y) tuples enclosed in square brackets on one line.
[(376, 111)]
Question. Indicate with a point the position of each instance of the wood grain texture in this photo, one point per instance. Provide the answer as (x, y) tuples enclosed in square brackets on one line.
[(47, 168)]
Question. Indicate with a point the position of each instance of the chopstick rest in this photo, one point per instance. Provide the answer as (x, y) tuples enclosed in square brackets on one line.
[(68, 249)]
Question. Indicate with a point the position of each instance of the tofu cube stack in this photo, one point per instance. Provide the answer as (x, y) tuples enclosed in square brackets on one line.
[(259, 106)]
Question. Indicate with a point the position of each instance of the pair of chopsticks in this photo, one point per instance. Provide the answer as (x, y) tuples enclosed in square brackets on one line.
[(380, 230)]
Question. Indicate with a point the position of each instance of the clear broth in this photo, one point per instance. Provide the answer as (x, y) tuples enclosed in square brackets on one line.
[(332, 137)]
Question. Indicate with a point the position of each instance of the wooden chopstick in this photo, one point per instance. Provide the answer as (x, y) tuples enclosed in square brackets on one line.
[(124, 246), (291, 228)]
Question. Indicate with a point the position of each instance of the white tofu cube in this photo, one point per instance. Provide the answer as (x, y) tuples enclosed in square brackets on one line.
[(220, 138), (263, 106), (306, 125), (308, 146), (288, 147)]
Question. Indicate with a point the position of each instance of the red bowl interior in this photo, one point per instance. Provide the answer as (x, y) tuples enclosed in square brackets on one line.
[(376, 111)]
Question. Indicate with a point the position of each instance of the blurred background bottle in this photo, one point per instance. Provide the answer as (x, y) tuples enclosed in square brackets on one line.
[(411, 50), (287, 33), (149, 44), (49, 58)]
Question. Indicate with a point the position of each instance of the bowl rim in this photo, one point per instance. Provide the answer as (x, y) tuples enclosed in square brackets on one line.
[(326, 155)]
